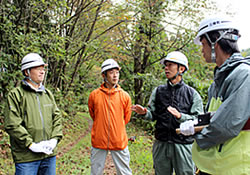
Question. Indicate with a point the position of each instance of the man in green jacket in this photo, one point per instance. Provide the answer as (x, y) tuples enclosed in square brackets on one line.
[(222, 148), (33, 121)]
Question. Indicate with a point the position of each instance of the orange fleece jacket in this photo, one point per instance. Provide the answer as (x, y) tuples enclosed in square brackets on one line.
[(110, 110)]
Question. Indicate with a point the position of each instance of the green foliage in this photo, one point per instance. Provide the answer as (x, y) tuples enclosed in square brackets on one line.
[(200, 86), (154, 32), (25, 27), (74, 39), (74, 44), (150, 82), (72, 102), (147, 126), (246, 52)]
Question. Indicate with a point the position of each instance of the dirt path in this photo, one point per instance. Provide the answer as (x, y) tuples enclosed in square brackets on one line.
[(109, 168), (68, 147)]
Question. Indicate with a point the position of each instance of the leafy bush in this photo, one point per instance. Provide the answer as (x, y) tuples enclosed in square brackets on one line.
[(200, 85)]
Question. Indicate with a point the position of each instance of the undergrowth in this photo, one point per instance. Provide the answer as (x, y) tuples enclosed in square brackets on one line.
[(74, 149), (141, 161)]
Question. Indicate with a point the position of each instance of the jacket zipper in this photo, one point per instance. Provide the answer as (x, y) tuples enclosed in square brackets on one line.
[(41, 115), (173, 91), (109, 109)]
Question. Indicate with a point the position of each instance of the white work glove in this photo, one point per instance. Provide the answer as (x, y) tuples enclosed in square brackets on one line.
[(187, 127), (52, 143), (49, 146), (37, 147)]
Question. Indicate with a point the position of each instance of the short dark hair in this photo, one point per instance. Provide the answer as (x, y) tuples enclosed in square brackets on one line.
[(228, 46)]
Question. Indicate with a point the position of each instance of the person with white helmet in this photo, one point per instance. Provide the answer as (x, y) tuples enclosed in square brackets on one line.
[(171, 104), (32, 60), (110, 108), (222, 148), (33, 121)]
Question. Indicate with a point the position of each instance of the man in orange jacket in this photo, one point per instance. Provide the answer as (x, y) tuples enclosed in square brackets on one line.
[(110, 109)]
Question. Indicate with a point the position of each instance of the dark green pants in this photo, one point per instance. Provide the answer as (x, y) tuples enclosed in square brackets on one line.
[(169, 157)]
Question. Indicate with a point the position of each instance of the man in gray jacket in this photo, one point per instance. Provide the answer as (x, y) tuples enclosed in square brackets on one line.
[(222, 148), (33, 121)]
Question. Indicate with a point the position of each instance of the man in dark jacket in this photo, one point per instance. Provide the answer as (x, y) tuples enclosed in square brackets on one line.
[(33, 121), (170, 105)]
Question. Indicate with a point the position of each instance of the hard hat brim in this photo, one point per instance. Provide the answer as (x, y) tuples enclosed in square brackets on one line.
[(34, 65)]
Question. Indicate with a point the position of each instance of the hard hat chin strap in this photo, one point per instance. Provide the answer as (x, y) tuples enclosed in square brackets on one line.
[(176, 75), (222, 35), (213, 55), (28, 77), (106, 81)]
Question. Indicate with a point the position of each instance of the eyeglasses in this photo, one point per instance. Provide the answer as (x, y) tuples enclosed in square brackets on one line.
[(40, 69)]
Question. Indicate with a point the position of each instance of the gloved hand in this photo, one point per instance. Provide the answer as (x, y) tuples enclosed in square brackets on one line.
[(47, 149), (49, 146), (187, 127), (37, 147), (52, 143)]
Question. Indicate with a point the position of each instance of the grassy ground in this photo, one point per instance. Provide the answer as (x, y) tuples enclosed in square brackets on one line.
[(6, 163), (74, 153), (140, 151), (74, 149)]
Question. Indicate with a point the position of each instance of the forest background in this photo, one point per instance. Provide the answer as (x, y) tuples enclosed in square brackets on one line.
[(75, 36)]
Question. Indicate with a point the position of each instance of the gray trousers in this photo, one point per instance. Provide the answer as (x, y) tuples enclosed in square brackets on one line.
[(171, 156), (120, 158)]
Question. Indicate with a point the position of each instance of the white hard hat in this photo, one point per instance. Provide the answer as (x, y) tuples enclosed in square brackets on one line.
[(109, 64), (32, 60), (214, 23), (176, 57)]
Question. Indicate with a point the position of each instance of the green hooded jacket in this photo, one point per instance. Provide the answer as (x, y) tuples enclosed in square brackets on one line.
[(223, 148), (31, 116)]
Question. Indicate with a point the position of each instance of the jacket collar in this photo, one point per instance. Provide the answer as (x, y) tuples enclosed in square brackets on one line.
[(107, 90), (221, 72), (27, 85), (177, 85)]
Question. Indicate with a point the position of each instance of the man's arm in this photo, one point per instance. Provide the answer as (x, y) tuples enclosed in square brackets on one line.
[(127, 110), (196, 108), (13, 120), (57, 124), (231, 116), (91, 106), (146, 112)]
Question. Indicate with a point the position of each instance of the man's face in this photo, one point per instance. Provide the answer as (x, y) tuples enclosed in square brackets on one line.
[(170, 69), (206, 50), (37, 74), (113, 76)]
